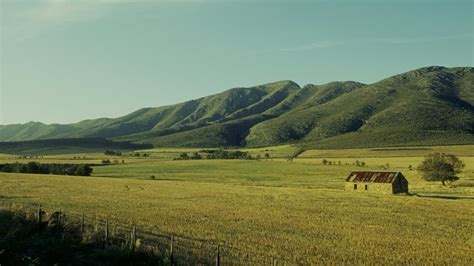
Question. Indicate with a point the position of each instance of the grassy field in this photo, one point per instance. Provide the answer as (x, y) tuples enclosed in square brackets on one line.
[(275, 151), (297, 211), (460, 150)]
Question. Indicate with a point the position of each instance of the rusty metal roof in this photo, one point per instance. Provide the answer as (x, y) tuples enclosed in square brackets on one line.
[(372, 176)]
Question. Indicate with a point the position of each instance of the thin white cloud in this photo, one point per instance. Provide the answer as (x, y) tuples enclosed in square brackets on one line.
[(51, 11), (317, 45), (423, 39), (313, 46), (27, 20), (70, 10)]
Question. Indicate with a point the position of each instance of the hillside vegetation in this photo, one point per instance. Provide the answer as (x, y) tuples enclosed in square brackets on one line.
[(432, 105)]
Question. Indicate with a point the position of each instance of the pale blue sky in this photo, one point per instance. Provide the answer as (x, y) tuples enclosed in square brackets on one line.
[(64, 61)]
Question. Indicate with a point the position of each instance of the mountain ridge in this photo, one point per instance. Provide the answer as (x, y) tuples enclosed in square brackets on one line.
[(435, 100)]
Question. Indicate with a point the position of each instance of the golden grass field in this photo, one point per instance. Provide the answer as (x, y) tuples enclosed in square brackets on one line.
[(296, 211)]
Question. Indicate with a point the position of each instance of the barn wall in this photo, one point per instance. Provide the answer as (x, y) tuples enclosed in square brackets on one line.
[(400, 185), (383, 188)]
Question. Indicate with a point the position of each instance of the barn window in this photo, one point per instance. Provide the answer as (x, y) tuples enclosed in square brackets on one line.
[(366, 187), (355, 186)]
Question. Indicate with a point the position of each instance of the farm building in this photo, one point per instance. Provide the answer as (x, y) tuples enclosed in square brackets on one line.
[(377, 181)]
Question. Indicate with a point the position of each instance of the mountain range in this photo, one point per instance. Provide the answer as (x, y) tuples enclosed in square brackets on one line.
[(426, 106)]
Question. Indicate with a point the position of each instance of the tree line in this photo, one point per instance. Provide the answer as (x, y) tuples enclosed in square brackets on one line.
[(215, 154), (114, 153), (55, 169)]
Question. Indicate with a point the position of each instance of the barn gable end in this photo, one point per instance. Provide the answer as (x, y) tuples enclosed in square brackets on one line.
[(384, 182)]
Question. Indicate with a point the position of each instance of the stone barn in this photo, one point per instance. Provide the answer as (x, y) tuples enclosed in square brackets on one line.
[(377, 181)]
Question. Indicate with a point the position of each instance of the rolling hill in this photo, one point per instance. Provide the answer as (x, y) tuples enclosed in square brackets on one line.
[(431, 105), (60, 146)]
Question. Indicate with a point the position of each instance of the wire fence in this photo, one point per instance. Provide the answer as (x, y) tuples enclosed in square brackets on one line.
[(178, 250)]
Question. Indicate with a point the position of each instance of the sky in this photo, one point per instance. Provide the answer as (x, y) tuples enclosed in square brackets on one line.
[(62, 61)]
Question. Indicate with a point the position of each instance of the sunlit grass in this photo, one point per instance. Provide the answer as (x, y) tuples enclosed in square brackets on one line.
[(294, 210)]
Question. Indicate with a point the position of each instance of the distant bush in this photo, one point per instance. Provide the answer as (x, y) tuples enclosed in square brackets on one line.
[(56, 169), (208, 151), (216, 154), (356, 163), (113, 153), (137, 154), (185, 156), (182, 156), (106, 161), (152, 177), (222, 154), (196, 156)]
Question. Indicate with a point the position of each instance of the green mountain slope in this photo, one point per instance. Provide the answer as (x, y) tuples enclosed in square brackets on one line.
[(393, 111), (59, 146), (233, 129), (432, 105)]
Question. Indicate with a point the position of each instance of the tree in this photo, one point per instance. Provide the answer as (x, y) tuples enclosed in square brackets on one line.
[(267, 155), (325, 161), (33, 168), (441, 167), (83, 170), (196, 156)]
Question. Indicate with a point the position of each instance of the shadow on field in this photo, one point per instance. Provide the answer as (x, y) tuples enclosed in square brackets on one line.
[(443, 197), (25, 242)]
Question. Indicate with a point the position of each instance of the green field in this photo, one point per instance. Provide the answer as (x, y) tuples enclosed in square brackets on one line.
[(296, 211)]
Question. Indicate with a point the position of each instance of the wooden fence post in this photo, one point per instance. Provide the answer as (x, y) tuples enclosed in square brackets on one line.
[(171, 249), (218, 256), (106, 232), (40, 214), (133, 238), (82, 225)]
